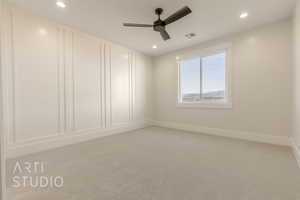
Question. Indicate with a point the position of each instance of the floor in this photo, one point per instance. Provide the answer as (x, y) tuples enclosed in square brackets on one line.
[(164, 164)]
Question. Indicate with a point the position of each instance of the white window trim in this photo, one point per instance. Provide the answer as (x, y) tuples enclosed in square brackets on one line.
[(218, 104)]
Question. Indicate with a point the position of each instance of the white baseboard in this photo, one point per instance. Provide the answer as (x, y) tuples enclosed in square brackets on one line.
[(68, 139), (296, 150), (250, 136)]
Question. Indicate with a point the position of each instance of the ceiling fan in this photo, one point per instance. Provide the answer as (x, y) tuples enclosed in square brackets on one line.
[(160, 25)]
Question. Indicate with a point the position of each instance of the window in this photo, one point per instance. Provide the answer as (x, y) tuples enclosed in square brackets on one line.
[(203, 80)]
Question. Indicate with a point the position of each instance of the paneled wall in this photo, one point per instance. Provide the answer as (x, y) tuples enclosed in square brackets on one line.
[(63, 86)]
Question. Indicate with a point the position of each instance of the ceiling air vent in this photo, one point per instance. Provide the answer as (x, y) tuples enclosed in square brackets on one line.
[(190, 35)]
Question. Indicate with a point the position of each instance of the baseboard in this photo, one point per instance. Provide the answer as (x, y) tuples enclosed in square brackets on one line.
[(68, 139), (250, 136), (296, 150)]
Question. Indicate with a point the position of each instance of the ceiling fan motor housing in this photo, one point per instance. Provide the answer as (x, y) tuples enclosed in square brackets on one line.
[(159, 24)]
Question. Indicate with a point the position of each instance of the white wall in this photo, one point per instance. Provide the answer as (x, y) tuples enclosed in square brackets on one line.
[(261, 85), (63, 86), (2, 154), (296, 80)]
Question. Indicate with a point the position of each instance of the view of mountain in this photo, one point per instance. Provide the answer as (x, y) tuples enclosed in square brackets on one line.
[(214, 95)]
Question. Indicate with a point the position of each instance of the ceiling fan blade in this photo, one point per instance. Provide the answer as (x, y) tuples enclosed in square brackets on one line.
[(137, 25), (165, 35), (178, 15)]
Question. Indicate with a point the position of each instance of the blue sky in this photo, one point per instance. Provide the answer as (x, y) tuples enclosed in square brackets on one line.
[(213, 74)]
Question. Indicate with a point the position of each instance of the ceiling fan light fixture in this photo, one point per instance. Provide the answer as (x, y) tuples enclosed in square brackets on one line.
[(154, 46)]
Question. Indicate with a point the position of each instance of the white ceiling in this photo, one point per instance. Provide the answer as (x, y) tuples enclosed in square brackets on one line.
[(210, 19)]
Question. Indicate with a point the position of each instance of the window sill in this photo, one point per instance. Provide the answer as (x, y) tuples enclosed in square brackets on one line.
[(209, 105)]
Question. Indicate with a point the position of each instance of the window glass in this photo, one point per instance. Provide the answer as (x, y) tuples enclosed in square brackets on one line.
[(213, 77), (203, 78), (190, 80)]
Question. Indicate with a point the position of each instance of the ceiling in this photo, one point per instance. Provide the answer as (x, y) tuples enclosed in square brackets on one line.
[(210, 19)]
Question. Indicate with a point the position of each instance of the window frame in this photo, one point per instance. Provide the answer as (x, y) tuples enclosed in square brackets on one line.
[(223, 104)]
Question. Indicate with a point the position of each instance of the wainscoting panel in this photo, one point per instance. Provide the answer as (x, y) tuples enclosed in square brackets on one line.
[(63, 84), (120, 85), (140, 94), (36, 72), (69, 81), (87, 82)]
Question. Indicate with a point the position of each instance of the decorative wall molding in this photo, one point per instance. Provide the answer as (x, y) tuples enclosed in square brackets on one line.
[(255, 137), (3, 143), (296, 150), (56, 142), (108, 87), (10, 83), (75, 52), (69, 57)]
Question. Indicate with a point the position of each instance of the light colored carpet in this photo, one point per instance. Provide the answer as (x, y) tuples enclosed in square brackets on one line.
[(163, 164)]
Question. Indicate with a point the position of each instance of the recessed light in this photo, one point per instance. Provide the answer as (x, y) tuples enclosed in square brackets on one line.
[(244, 15), (43, 31), (61, 4), (154, 47)]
